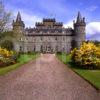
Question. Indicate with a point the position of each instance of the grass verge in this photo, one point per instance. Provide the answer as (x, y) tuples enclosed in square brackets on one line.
[(24, 58), (92, 76)]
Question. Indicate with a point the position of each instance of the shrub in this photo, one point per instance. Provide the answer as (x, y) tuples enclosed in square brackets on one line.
[(7, 44), (6, 57), (88, 56)]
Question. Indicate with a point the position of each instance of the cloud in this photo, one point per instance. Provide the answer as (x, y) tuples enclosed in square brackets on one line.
[(30, 20), (92, 8), (92, 28), (93, 37), (69, 24), (43, 8)]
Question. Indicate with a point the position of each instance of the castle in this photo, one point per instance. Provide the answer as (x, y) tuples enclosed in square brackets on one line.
[(48, 36)]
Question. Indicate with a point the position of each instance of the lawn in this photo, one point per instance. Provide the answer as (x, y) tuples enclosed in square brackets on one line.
[(24, 58), (93, 76)]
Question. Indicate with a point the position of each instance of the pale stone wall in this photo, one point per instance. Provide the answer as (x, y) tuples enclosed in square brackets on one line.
[(45, 44)]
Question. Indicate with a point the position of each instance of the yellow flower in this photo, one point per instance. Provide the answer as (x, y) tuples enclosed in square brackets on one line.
[(88, 54)]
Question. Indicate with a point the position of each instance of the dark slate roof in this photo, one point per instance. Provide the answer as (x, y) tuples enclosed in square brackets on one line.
[(35, 31)]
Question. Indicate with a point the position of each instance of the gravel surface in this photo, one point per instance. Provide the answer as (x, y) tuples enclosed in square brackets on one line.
[(45, 79)]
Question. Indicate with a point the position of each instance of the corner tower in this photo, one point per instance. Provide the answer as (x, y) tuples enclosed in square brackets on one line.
[(79, 30), (18, 25), (18, 31)]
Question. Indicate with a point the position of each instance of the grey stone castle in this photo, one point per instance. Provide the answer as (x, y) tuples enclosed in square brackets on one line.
[(48, 36)]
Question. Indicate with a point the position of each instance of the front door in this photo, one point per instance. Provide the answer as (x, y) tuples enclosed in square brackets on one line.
[(47, 48)]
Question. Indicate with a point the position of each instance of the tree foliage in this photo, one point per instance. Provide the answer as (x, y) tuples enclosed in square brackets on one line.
[(4, 17), (6, 34), (7, 44)]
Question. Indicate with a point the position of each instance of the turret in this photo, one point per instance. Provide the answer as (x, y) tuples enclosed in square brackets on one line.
[(18, 31), (79, 30), (18, 19), (18, 25)]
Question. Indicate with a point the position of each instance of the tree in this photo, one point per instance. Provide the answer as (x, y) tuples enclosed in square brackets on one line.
[(87, 56), (4, 17), (6, 34), (7, 44)]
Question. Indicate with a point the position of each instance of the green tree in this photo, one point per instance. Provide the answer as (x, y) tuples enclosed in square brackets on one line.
[(7, 44), (6, 34)]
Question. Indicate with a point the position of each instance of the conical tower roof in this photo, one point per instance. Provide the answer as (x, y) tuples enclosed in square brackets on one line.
[(18, 19), (79, 17)]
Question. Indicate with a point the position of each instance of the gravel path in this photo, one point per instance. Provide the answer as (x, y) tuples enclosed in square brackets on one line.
[(45, 79)]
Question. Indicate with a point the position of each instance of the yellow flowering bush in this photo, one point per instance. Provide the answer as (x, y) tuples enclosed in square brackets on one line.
[(5, 52), (87, 56), (6, 57)]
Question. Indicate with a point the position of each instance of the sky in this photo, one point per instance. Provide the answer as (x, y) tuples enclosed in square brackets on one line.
[(63, 10)]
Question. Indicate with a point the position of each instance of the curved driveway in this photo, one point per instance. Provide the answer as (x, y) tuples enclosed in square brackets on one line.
[(45, 79)]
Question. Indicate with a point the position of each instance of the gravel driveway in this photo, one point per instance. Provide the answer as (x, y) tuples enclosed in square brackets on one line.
[(45, 79)]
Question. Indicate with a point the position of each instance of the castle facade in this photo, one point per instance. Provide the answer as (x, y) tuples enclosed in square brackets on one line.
[(48, 36)]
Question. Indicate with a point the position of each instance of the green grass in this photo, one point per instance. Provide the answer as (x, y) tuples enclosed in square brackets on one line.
[(93, 76), (22, 60)]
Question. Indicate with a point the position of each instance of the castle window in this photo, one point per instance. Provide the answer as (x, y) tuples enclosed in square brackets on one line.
[(35, 39), (41, 39), (63, 38), (34, 48), (41, 48), (21, 39), (56, 48), (63, 49), (20, 48), (55, 38)]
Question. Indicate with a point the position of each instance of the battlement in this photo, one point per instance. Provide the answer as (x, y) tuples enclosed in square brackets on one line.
[(39, 24), (49, 20), (49, 23)]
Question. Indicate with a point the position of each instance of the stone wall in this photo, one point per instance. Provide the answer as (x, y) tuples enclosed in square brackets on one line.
[(46, 43)]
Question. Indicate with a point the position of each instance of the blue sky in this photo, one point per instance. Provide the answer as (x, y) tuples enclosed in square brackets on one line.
[(62, 10)]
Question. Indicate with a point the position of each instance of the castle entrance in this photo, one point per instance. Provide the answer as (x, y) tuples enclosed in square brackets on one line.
[(47, 48)]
